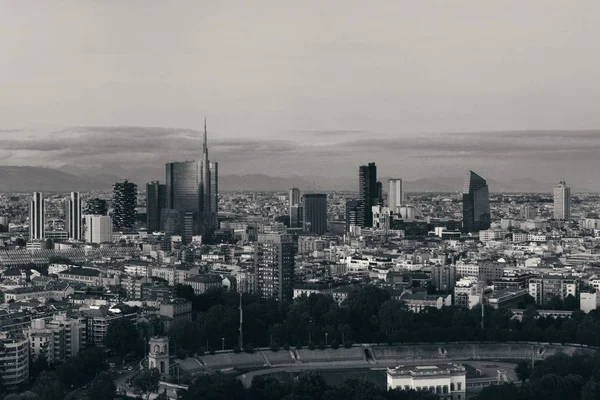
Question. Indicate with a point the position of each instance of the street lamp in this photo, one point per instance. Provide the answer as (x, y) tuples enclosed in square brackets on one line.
[(222, 343), (326, 335)]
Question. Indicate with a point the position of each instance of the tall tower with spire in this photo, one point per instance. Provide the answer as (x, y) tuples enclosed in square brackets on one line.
[(209, 187)]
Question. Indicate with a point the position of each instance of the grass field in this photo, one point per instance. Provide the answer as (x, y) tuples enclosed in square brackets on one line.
[(338, 377)]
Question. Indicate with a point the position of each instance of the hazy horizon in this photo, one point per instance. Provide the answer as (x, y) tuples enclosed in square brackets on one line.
[(424, 89)]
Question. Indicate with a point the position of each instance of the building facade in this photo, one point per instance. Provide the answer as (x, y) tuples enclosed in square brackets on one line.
[(73, 216), (562, 201), (368, 193), (98, 228), (476, 204), (156, 201), (448, 381), (274, 266), (395, 195), (37, 217), (315, 213), (124, 205)]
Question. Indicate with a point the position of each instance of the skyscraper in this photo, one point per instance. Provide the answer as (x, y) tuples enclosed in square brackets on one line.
[(156, 201), (124, 203), (315, 213), (73, 216), (274, 266), (476, 204), (295, 208), (37, 217), (353, 210), (562, 201), (395, 194), (368, 193), (193, 191)]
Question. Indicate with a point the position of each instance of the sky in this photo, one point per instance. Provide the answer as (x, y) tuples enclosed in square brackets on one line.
[(423, 88)]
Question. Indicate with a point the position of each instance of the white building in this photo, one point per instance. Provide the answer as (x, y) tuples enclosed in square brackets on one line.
[(98, 229), (467, 293), (491, 234), (381, 218), (588, 301), (395, 195), (449, 381), (58, 339)]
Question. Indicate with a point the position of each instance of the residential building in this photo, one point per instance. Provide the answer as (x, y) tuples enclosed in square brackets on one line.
[(124, 205), (381, 217), (58, 338), (467, 293), (443, 277), (88, 276), (544, 288), (203, 283), (14, 360), (274, 266), (418, 302)]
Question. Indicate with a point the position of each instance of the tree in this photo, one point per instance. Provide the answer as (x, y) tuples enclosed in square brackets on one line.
[(523, 371), (185, 335), (48, 387), (103, 387), (96, 206), (121, 336), (147, 381), (184, 292), (39, 364), (215, 387)]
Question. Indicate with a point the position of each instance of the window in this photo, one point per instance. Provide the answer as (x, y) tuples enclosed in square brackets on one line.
[(459, 384)]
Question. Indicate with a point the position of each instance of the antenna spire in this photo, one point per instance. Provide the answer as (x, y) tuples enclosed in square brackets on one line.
[(205, 144)]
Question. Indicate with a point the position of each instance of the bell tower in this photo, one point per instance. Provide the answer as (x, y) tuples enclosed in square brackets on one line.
[(158, 355)]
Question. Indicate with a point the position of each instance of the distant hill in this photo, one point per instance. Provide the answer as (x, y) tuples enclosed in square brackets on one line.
[(27, 179)]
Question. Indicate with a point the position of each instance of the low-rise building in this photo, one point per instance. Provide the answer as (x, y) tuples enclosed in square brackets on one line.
[(202, 283), (449, 381), (418, 302)]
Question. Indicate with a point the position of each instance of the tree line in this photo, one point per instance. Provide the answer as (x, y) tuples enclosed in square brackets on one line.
[(367, 315), (558, 377)]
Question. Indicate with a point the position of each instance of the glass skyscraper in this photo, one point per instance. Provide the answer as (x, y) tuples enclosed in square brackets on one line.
[(156, 201), (476, 204), (315, 213), (369, 193)]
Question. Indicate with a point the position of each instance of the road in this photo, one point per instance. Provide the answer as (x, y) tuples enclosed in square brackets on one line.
[(486, 366)]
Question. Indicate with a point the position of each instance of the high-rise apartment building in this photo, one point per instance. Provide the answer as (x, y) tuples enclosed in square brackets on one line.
[(443, 277), (98, 228), (295, 208), (37, 217), (381, 218), (156, 201), (395, 194), (14, 360), (274, 266), (124, 204), (315, 213), (369, 193), (476, 204), (562, 201), (58, 339), (73, 216)]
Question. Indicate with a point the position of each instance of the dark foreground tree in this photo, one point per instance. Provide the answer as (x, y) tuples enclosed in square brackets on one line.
[(147, 381), (121, 337), (103, 387), (48, 387)]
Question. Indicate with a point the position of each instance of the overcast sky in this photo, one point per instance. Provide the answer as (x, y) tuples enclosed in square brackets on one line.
[(310, 87)]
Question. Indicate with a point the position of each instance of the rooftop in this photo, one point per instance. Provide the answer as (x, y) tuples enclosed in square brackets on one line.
[(427, 370)]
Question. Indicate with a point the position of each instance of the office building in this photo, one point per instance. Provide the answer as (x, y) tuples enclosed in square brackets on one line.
[(448, 381), (156, 201), (37, 217), (124, 204), (381, 217), (274, 266), (369, 193), (562, 201), (476, 204), (295, 208), (315, 213), (192, 196), (73, 216), (98, 228), (395, 199), (353, 210)]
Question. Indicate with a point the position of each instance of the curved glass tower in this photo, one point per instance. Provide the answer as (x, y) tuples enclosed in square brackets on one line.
[(476, 204)]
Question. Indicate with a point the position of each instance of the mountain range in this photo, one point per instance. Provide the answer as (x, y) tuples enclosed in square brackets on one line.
[(27, 179)]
